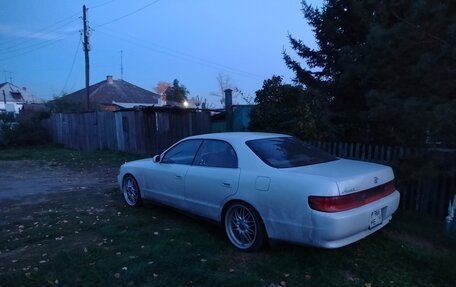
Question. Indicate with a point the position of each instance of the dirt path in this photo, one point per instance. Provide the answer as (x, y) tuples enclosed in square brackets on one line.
[(22, 178)]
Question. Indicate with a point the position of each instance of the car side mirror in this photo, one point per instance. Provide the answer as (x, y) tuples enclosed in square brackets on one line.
[(156, 158)]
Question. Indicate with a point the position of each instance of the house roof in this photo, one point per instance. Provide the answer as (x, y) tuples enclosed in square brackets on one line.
[(17, 95), (110, 90)]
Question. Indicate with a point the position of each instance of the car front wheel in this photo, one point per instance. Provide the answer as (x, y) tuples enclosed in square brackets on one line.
[(130, 190), (244, 227)]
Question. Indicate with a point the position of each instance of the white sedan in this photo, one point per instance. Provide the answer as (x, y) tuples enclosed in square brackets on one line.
[(264, 186)]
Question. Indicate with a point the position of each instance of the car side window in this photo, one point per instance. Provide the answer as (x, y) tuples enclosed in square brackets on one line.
[(216, 153), (182, 153)]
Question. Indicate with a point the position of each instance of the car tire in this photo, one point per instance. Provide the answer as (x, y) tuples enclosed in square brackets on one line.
[(244, 227), (131, 192)]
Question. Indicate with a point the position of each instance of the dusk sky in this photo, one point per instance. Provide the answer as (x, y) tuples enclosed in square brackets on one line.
[(193, 41)]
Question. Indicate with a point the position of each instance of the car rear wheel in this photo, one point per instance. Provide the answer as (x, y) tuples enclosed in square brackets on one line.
[(244, 227), (130, 190)]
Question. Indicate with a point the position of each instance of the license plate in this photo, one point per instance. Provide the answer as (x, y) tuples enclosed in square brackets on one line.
[(375, 218)]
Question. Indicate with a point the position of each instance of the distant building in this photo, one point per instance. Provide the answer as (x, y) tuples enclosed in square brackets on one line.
[(110, 94), (13, 98)]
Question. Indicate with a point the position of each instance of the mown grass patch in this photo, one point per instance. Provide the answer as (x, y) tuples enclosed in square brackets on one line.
[(91, 238)]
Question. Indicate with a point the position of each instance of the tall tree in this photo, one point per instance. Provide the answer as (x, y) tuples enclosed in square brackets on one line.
[(386, 67), (288, 109), (177, 92), (340, 28)]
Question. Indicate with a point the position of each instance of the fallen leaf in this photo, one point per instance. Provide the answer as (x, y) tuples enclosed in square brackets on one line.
[(286, 275), (155, 275), (231, 270), (283, 283), (124, 268), (118, 253), (368, 285), (155, 233), (117, 275), (308, 277), (203, 260)]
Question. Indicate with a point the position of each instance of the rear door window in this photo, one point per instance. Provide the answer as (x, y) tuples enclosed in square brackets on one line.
[(284, 152)]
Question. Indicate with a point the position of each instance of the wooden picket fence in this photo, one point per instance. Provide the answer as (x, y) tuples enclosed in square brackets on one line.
[(429, 194)]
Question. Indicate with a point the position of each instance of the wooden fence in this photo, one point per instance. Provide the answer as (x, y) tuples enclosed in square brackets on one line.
[(84, 131), (152, 131), (429, 193), (143, 131)]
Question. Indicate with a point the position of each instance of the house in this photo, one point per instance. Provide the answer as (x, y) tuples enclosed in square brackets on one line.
[(110, 95), (13, 98)]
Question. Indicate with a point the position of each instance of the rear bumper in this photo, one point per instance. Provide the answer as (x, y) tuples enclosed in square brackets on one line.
[(333, 230)]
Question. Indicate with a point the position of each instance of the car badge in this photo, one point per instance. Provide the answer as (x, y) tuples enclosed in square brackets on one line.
[(375, 180)]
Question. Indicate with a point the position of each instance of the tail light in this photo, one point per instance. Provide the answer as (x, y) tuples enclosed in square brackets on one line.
[(350, 201)]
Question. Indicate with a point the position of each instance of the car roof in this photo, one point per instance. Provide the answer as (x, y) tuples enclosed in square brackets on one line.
[(238, 136)]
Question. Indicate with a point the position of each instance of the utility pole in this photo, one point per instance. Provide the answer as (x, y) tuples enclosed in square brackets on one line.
[(86, 47), (121, 64)]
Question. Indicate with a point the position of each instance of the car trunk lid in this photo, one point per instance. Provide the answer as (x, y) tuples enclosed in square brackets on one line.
[(351, 176)]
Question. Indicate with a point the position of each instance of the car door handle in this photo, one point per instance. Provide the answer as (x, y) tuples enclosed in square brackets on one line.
[(226, 184)]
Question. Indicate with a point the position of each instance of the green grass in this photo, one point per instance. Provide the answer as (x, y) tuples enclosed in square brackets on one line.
[(70, 158), (92, 238)]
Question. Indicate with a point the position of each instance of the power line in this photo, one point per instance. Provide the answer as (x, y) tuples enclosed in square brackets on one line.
[(42, 31), (45, 30), (36, 48), (177, 54), (102, 4), (126, 15), (72, 64)]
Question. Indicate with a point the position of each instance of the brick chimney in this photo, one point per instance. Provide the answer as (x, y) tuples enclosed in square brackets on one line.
[(109, 79)]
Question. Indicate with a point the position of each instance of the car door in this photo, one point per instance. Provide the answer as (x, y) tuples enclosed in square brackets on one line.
[(213, 177), (166, 181)]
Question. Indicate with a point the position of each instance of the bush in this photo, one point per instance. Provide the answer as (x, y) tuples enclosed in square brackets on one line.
[(25, 130)]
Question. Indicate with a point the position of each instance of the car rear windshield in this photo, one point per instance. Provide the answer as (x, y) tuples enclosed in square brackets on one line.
[(284, 152)]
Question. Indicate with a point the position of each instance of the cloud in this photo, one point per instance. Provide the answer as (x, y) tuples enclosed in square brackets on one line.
[(43, 34)]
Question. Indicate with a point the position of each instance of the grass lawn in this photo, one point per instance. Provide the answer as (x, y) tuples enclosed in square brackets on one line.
[(91, 238)]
